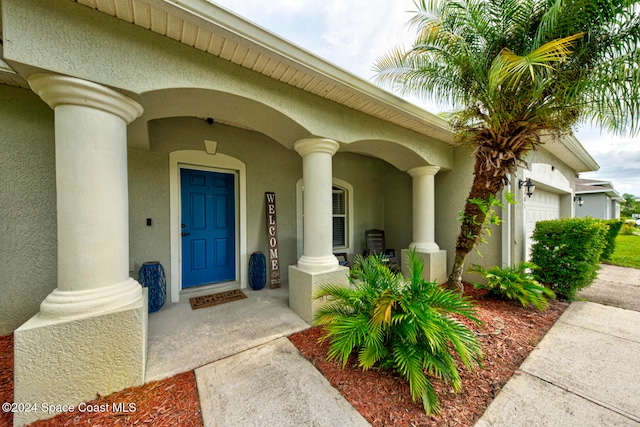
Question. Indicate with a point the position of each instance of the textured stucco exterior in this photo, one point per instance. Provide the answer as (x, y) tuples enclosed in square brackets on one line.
[(28, 261), (71, 361), (307, 285), (452, 190), (257, 121), (382, 194), (183, 84)]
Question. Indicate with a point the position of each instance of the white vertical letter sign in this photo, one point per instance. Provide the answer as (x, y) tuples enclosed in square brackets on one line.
[(272, 235)]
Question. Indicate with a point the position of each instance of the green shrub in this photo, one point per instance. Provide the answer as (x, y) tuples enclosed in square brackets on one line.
[(610, 247), (568, 253), (402, 324), (627, 229), (514, 283)]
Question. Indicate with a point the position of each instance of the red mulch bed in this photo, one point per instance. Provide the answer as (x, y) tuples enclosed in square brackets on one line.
[(170, 402), (6, 377), (509, 334)]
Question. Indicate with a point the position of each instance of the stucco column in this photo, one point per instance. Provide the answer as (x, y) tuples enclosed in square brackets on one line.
[(92, 196), (90, 335), (424, 219), (317, 204)]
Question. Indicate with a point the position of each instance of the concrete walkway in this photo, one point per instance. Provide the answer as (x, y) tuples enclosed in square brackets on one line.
[(271, 385), (586, 370), (616, 286), (248, 373)]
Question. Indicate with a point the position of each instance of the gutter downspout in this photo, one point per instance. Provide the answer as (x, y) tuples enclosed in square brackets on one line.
[(506, 228)]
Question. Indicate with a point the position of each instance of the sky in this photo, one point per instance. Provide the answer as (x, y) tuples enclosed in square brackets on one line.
[(352, 34)]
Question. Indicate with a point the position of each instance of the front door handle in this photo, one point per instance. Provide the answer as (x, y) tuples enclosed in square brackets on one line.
[(185, 234)]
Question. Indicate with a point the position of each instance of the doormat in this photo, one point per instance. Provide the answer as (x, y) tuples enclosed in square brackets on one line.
[(215, 299)]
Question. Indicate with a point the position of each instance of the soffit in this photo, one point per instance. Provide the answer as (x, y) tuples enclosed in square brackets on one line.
[(570, 151), (214, 30)]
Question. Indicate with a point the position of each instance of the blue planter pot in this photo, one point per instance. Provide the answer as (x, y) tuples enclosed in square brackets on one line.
[(257, 271), (151, 275)]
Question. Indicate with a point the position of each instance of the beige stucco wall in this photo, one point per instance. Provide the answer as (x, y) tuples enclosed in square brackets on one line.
[(270, 167), (382, 198), (382, 194), (65, 37), (398, 207), (28, 255), (452, 190)]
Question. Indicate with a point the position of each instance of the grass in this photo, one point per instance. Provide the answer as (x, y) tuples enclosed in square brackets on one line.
[(627, 252)]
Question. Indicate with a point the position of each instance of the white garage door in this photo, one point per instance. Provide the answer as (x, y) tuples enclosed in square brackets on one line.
[(542, 205)]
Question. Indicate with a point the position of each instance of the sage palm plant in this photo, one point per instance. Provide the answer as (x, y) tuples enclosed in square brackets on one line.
[(514, 283), (514, 71), (404, 324)]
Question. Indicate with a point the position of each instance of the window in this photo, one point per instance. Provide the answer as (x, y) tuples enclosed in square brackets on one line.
[(339, 218)]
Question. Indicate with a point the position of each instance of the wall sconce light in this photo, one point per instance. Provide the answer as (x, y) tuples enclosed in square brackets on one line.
[(579, 200), (529, 185)]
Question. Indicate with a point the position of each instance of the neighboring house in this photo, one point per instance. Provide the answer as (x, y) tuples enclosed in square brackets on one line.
[(136, 130), (599, 199)]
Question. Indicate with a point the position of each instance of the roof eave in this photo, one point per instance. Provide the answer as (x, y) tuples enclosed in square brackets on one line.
[(237, 28)]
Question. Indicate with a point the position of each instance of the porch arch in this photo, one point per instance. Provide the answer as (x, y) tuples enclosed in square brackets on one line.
[(221, 106), (401, 156)]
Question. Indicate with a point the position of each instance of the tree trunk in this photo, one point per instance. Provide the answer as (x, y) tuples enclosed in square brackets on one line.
[(487, 182), (455, 278)]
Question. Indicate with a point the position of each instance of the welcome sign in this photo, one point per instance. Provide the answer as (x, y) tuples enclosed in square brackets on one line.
[(272, 236)]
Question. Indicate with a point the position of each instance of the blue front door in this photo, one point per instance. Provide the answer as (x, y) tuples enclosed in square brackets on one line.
[(208, 227)]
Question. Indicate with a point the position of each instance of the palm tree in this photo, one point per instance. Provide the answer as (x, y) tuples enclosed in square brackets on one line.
[(405, 324), (516, 70)]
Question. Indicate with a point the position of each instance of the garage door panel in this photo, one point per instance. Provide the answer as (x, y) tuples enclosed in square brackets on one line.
[(542, 206)]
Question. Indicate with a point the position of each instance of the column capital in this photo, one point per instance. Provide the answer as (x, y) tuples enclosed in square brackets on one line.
[(316, 145), (59, 90), (423, 171)]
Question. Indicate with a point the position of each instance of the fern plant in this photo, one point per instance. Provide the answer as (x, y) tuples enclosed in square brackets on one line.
[(402, 324), (514, 283)]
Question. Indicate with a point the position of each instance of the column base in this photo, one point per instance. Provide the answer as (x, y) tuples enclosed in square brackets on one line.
[(435, 265), (424, 247), (90, 302), (302, 286), (318, 264), (66, 362)]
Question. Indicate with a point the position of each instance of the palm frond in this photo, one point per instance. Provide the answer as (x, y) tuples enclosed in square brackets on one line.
[(510, 68), (514, 283), (399, 323), (409, 365)]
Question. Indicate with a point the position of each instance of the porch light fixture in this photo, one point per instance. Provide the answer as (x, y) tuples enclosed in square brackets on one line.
[(529, 185), (579, 200)]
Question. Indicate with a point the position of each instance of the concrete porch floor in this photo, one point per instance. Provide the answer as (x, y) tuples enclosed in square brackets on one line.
[(181, 339)]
